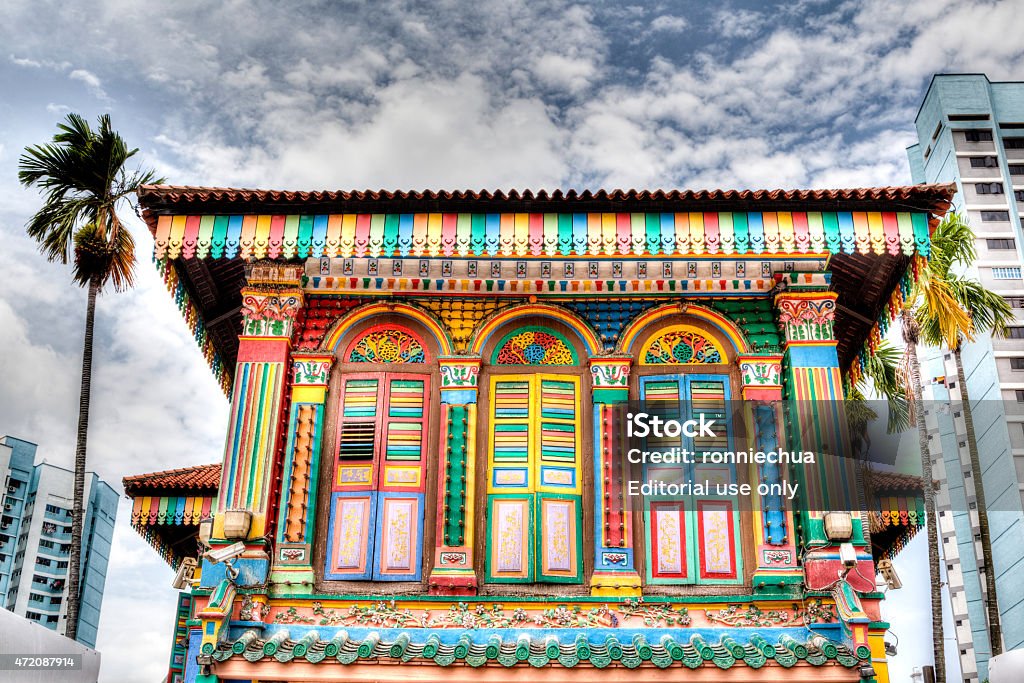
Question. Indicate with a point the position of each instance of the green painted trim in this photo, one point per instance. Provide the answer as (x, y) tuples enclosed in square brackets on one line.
[(539, 538), (530, 554), (611, 395)]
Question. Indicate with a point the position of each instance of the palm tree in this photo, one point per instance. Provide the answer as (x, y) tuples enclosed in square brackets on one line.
[(911, 371), (953, 247), (83, 180)]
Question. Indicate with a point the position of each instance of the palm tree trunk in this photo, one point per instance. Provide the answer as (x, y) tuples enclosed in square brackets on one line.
[(77, 510), (991, 602), (910, 336)]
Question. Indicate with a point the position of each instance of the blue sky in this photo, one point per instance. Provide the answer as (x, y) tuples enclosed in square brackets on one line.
[(483, 94)]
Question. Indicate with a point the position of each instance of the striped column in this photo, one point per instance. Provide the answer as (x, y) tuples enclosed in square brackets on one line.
[(774, 537), (817, 422), (615, 572), (453, 572), (296, 516), (247, 488)]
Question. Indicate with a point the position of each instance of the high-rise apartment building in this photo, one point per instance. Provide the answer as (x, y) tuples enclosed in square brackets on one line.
[(971, 132), (35, 539)]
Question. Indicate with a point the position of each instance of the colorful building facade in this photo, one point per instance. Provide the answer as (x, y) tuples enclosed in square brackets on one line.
[(426, 389)]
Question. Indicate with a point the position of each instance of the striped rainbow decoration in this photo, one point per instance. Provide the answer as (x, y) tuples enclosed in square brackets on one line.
[(246, 473), (537, 234), (194, 320), (170, 510)]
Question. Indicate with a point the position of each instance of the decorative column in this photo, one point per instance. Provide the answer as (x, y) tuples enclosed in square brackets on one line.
[(270, 303), (774, 537), (292, 571), (453, 572), (817, 423), (615, 572)]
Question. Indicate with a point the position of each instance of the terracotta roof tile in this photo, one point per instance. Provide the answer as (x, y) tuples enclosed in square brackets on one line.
[(198, 478), (152, 196)]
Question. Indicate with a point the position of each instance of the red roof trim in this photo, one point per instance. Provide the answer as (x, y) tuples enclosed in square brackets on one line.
[(200, 477), (151, 194)]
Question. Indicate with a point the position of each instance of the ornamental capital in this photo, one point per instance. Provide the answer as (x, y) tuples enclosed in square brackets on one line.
[(806, 316), (610, 372), (760, 371), (269, 312), (311, 369), (459, 372)]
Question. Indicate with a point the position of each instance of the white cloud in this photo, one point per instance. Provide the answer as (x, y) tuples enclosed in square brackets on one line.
[(739, 23), (21, 61), (55, 108), (91, 81), (669, 23), (564, 73)]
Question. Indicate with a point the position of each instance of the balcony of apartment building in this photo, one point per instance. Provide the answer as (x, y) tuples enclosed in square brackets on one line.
[(974, 141)]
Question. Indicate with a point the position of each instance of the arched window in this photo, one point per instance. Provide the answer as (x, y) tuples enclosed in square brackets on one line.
[(689, 539), (534, 463), (378, 478)]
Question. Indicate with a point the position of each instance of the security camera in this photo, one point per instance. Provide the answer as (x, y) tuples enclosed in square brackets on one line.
[(888, 573), (848, 555), (186, 570), (224, 553)]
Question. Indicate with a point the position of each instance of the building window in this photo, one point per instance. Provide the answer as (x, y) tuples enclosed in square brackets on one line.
[(376, 504), (1017, 363), (984, 162), (1015, 333), (1013, 143), (1020, 395), (978, 135), (1011, 273), (1018, 195), (1001, 244), (1016, 169), (990, 216), (988, 188), (534, 480), (967, 117), (691, 539)]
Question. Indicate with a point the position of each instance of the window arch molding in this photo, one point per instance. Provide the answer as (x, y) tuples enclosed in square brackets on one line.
[(544, 315), (364, 316), (711, 323)]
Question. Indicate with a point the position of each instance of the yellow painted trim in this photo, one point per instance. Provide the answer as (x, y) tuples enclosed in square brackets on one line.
[(309, 394)]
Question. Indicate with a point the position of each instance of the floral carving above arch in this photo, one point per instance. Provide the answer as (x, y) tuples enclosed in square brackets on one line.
[(386, 344), (680, 345), (534, 346)]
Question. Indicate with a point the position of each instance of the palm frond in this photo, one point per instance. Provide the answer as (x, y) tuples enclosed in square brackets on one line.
[(82, 178)]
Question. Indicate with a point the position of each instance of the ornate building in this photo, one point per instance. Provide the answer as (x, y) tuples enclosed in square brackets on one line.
[(421, 458)]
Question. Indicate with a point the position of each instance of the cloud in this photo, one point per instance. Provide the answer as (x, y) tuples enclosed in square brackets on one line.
[(21, 61), (90, 80), (669, 23), (54, 108), (739, 23)]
